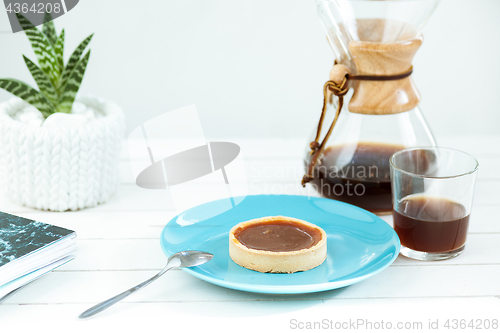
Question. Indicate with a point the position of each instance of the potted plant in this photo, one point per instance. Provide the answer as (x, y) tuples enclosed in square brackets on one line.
[(58, 151)]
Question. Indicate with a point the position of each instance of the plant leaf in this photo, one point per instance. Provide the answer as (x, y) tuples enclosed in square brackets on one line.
[(29, 95), (73, 60), (43, 49), (41, 80), (59, 50), (72, 85), (48, 29)]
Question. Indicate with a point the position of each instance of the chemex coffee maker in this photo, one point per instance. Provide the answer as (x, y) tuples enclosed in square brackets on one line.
[(370, 107)]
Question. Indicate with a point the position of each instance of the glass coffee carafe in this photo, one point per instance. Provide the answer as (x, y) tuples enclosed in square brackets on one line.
[(372, 111)]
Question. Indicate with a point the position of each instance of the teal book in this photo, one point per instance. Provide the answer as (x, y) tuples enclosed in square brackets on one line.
[(29, 249)]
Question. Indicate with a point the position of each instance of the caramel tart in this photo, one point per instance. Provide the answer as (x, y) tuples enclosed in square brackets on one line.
[(277, 244)]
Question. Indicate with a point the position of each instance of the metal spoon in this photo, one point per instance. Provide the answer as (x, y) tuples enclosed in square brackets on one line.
[(178, 260)]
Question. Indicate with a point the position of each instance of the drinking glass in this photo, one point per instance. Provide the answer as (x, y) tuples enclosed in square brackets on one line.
[(432, 193)]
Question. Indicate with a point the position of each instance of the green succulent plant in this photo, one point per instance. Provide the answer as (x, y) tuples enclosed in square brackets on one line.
[(57, 82)]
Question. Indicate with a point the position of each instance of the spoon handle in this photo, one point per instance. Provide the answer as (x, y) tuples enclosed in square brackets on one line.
[(115, 299)]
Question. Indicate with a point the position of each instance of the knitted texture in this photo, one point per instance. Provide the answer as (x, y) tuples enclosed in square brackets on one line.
[(60, 169)]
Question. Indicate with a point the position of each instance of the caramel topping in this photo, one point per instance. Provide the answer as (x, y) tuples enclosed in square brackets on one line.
[(278, 236)]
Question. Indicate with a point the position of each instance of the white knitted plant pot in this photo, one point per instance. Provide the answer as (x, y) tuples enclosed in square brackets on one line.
[(64, 168)]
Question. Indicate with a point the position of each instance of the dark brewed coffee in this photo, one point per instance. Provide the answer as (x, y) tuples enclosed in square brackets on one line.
[(431, 224), (358, 174)]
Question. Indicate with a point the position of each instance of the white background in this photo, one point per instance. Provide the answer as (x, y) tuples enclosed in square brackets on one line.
[(256, 68)]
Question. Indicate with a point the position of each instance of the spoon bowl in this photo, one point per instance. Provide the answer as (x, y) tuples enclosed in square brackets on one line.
[(185, 259)]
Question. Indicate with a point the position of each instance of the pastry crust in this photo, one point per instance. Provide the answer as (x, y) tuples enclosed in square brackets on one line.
[(276, 262)]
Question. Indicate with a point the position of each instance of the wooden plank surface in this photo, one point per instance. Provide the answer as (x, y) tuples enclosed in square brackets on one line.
[(118, 247)]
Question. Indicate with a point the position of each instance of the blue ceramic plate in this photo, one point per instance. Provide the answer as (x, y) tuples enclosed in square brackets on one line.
[(360, 244)]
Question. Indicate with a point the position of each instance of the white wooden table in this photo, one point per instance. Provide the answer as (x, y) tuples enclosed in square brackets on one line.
[(118, 247)]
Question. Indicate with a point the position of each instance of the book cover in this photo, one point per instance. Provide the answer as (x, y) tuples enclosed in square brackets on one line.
[(30, 249), (20, 237)]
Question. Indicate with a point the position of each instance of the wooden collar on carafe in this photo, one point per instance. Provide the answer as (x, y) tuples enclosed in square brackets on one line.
[(338, 85)]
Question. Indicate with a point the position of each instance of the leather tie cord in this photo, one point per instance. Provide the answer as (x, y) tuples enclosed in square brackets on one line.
[(339, 91)]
